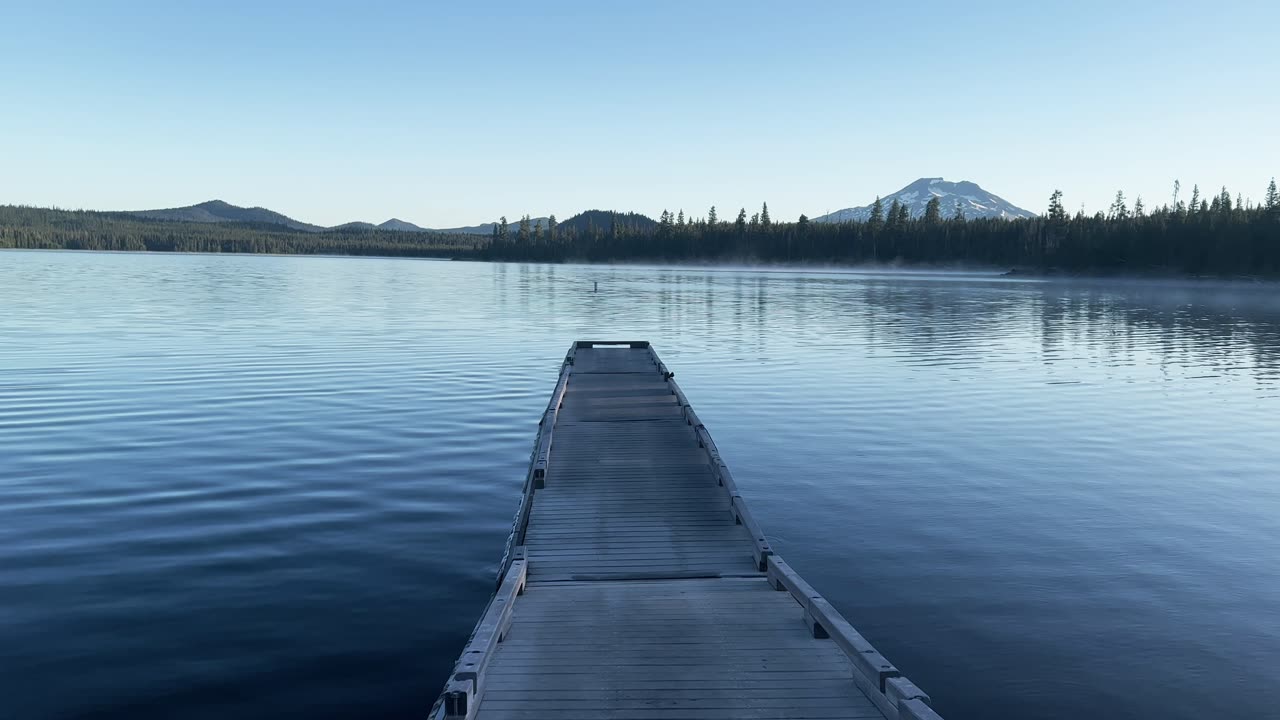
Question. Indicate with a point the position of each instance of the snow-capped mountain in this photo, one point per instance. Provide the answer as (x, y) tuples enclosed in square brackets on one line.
[(975, 202)]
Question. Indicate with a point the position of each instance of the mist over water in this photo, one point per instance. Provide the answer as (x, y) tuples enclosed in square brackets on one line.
[(264, 487)]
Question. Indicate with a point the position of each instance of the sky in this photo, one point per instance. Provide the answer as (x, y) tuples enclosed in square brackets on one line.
[(446, 114)]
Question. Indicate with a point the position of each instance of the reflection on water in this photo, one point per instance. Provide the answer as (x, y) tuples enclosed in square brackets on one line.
[(265, 487)]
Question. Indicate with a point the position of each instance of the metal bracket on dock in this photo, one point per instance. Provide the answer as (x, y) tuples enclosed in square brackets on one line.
[(681, 400), (897, 697), (759, 545), (539, 462), (546, 430), (457, 701), (467, 681)]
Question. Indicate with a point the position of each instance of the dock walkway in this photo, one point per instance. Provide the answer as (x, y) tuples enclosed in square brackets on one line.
[(637, 585)]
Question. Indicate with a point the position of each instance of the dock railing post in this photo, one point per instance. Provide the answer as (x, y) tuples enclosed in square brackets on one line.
[(897, 697)]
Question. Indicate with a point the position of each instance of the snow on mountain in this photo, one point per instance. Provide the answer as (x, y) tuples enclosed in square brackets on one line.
[(975, 202)]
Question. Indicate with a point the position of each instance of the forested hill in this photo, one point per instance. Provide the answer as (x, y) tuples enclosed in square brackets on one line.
[(1214, 235), (41, 228), (217, 211), (604, 219)]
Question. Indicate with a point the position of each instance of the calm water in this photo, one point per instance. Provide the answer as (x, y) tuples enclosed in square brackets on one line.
[(263, 487)]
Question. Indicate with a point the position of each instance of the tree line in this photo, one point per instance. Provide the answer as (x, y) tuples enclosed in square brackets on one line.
[(50, 228), (1202, 234), (1205, 234)]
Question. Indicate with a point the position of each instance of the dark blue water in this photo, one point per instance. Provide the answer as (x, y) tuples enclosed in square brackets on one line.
[(264, 487)]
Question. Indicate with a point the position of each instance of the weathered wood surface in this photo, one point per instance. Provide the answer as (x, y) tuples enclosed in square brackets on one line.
[(637, 585)]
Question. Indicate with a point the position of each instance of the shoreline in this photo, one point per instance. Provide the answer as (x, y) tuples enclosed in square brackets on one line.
[(913, 270)]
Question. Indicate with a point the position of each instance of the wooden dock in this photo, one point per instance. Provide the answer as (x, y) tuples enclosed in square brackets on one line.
[(637, 585)]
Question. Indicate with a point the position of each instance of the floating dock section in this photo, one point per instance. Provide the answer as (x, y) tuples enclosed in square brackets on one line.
[(636, 583)]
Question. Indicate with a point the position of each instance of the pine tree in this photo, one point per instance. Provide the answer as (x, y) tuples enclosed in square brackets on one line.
[(959, 211), (1194, 205), (803, 223), (877, 215), (904, 217), (523, 233), (665, 224), (711, 216), (764, 215), (551, 228), (1272, 198), (755, 221), (680, 218), (933, 211), (1119, 211), (1224, 201), (1057, 213), (503, 231), (891, 219), (741, 223), (1138, 209)]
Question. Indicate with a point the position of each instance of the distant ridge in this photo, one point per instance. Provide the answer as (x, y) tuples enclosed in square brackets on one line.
[(513, 223), (972, 198), (582, 222), (975, 202), (217, 211)]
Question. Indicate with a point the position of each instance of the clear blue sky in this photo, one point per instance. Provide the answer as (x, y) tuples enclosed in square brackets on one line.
[(448, 114)]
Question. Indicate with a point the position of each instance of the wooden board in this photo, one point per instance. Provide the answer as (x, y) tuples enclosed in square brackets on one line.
[(726, 648)]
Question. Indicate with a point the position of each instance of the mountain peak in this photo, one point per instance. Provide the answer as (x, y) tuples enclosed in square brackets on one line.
[(220, 211), (972, 198), (398, 224)]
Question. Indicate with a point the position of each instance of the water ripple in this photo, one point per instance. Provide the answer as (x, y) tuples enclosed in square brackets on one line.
[(268, 487)]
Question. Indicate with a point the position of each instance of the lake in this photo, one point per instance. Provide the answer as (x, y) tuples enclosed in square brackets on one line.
[(264, 487)]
